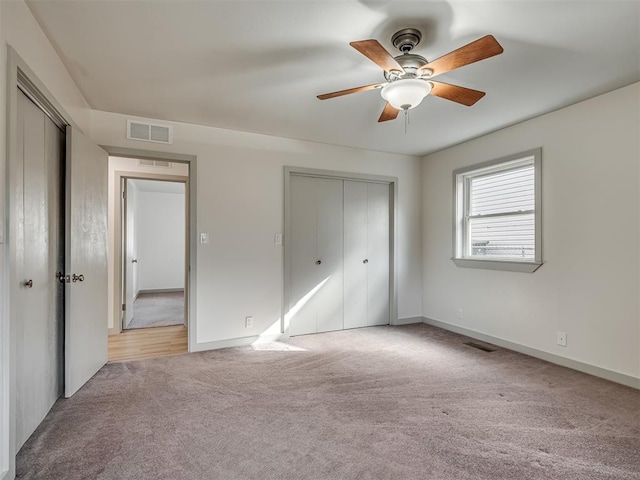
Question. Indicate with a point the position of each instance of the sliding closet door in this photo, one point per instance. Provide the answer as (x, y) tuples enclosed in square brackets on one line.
[(37, 295), (378, 254), (330, 314), (316, 280), (355, 254), (303, 256), (366, 254)]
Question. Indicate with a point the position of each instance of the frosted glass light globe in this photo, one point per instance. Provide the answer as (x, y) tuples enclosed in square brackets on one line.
[(407, 93)]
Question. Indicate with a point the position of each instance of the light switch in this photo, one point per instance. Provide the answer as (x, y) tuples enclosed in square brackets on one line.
[(204, 237)]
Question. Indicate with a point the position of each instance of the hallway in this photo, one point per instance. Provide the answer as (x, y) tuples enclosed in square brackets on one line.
[(158, 310)]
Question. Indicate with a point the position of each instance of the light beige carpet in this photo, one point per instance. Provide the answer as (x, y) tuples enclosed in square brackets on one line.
[(159, 309), (397, 403)]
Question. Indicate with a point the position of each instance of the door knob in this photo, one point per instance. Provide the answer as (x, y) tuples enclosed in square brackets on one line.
[(61, 277), (318, 262), (135, 260), (28, 284), (366, 260), (77, 278)]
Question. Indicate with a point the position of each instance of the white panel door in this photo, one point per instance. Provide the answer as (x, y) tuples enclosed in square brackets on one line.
[(329, 298), (378, 253), (316, 280), (86, 261), (366, 254), (355, 254), (38, 253), (303, 278)]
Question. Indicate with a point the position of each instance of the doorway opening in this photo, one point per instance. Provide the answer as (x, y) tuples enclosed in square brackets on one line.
[(150, 266), (154, 253)]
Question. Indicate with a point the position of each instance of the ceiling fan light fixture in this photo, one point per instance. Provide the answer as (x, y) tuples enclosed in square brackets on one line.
[(406, 94)]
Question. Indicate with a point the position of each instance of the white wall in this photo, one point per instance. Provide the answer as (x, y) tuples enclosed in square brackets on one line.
[(240, 202), (589, 284), (19, 29), (160, 236)]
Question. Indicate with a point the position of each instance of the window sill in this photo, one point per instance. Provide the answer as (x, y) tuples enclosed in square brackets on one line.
[(506, 265)]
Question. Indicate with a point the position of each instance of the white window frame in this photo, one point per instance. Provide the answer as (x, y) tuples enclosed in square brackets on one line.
[(461, 198)]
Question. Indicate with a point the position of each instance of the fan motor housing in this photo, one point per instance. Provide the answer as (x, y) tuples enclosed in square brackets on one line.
[(406, 39), (410, 62)]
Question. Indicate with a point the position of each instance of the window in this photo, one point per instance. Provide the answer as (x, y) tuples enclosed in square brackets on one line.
[(498, 214)]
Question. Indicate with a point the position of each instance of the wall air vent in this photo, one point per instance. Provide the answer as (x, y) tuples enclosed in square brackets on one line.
[(148, 132), (153, 163)]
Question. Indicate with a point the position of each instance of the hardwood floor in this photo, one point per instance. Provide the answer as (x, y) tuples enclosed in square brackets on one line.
[(147, 343)]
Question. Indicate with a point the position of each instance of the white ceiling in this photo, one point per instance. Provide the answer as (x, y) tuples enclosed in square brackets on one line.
[(257, 66)]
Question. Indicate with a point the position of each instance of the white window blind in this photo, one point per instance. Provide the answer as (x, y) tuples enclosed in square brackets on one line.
[(501, 217)]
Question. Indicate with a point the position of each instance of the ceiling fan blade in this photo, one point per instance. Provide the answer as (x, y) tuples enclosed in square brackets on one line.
[(482, 48), (389, 113), (348, 91), (377, 54), (455, 93)]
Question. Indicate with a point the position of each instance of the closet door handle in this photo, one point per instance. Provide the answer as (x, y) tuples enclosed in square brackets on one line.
[(135, 260), (318, 262), (366, 260), (28, 284)]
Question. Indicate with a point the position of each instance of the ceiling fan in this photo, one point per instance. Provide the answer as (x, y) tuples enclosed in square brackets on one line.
[(408, 76)]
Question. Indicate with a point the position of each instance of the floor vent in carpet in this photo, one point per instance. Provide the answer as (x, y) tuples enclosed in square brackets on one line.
[(479, 346)]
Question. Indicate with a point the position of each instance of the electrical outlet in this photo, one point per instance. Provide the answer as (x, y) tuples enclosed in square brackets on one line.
[(277, 239), (561, 339), (248, 322), (460, 315)]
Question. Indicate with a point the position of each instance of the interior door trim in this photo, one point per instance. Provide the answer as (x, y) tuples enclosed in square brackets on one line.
[(191, 218), (33, 93), (289, 171)]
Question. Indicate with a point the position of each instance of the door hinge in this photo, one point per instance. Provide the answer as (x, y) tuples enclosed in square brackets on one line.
[(124, 194), (124, 307)]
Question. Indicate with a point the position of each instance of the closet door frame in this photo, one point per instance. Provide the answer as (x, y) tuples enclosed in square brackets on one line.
[(19, 76), (289, 171)]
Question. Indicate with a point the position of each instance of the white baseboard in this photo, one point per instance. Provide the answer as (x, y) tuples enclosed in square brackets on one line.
[(408, 320), (244, 341), (611, 375), (238, 342), (160, 290)]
